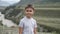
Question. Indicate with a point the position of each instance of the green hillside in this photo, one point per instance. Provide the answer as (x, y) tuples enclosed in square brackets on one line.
[(47, 12)]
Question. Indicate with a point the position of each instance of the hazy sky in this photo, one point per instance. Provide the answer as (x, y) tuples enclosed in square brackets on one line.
[(8, 2), (11, 1)]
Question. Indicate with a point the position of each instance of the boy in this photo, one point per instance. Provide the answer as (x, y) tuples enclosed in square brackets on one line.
[(28, 24)]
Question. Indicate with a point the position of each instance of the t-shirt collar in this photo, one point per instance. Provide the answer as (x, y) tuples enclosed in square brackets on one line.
[(28, 18)]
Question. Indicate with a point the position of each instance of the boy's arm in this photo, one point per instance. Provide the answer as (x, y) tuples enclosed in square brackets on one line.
[(20, 30), (35, 30), (21, 27)]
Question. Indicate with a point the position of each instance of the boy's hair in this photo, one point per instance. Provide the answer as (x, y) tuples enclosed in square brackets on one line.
[(29, 6)]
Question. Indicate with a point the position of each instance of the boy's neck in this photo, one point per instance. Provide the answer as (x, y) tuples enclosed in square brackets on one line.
[(29, 17)]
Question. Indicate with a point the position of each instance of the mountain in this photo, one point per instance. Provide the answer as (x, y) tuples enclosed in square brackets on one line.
[(24, 2), (38, 1)]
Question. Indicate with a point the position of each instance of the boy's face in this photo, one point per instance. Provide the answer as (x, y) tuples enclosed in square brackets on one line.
[(29, 12)]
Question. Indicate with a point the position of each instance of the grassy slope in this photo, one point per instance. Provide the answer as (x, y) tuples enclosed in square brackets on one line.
[(51, 22)]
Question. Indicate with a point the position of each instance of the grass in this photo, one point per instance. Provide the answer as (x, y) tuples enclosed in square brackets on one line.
[(51, 22), (15, 31)]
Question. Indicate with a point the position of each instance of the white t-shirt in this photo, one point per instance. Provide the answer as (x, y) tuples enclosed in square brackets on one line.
[(28, 25)]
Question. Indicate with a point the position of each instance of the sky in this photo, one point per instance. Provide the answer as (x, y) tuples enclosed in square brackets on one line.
[(11, 1), (8, 2)]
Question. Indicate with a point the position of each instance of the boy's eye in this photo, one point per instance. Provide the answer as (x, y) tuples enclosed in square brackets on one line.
[(29, 10)]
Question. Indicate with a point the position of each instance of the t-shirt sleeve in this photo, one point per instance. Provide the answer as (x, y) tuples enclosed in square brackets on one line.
[(21, 24), (35, 25)]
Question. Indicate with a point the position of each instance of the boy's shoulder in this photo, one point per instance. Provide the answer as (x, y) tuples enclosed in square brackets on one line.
[(34, 19), (22, 19)]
